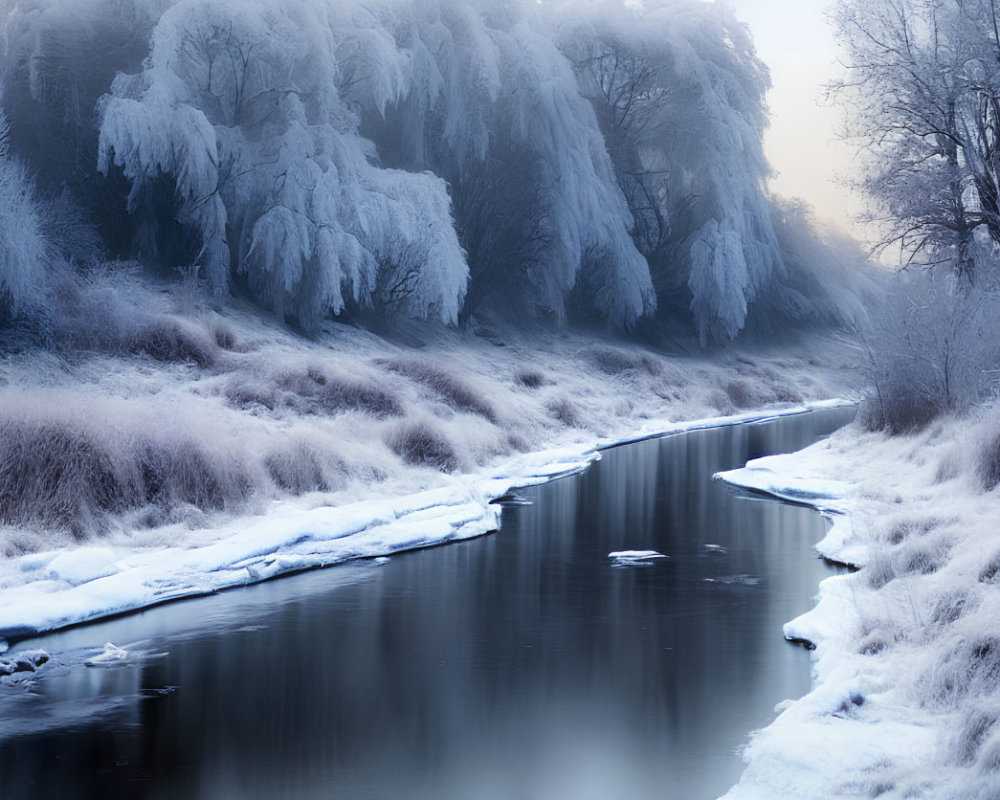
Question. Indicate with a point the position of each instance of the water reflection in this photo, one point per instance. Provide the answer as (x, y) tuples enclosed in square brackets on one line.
[(522, 665)]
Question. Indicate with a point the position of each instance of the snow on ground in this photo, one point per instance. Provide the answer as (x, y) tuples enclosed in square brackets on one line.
[(196, 449), (48, 590), (159, 449), (906, 697)]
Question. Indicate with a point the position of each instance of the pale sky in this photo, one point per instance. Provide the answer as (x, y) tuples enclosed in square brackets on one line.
[(796, 42)]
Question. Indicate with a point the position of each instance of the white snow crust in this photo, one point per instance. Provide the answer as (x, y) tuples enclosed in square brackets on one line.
[(46, 591), (905, 701)]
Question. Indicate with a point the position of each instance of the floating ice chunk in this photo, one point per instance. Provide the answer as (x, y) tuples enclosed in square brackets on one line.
[(715, 550), (382, 560), (513, 499), (23, 661), (112, 655), (83, 565), (626, 558)]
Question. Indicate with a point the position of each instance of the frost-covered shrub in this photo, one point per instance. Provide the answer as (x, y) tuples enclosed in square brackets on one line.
[(238, 105), (989, 760), (970, 669), (976, 727), (60, 470), (174, 340), (312, 391), (930, 349), (911, 557), (825, 278), (565, 411), (422, 443), (988, 466), (880, 570), (455, 391), (82, 468), (26, 255), (616, 361), (952, 605), (530, 379), (742, 394), (990, 572), (298, 469)]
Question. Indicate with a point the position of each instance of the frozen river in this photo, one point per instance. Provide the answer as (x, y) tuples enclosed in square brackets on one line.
[(522, 665)]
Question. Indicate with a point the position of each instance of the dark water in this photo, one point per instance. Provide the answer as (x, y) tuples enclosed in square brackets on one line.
[(519, 666)]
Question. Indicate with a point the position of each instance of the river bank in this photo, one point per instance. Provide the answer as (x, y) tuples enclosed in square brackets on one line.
[(907, 649), (197, 448), (427, 675)]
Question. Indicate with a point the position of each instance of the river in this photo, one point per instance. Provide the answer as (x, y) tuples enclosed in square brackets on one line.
[(523, 665)]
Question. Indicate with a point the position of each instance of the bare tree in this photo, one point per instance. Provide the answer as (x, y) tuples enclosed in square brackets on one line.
[(923, 81)]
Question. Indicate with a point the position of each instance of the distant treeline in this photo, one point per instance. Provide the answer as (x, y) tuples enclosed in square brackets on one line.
[(423, 157)]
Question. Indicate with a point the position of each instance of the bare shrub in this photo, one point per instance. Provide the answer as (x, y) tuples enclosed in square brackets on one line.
[(991, 571), (67, 472), (297, 470), (929, 351), (988, 462), (449, 387), (971, 669), (423, 444), (530, 379), (742, 394), (976, 727), (880, 570), (951, 606), (564, 410), (312, 391), (174, 341), (615, 361)]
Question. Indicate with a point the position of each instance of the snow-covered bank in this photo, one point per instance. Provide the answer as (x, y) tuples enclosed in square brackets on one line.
[(48, 590), (197, 448), (906, 697)]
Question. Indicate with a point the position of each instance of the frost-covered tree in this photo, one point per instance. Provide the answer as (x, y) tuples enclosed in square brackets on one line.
[(923, 81), (486, 100), (426, 157), (58, 57), (679, 92), (238, 106), (25, 254)]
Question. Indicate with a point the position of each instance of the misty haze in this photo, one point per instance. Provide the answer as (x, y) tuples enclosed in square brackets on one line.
[(303, 290)]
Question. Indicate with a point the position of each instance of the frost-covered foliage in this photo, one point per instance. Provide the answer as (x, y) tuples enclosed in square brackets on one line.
[(931, 347), (239, 106), (431, 158), (679, 92), (25, 252), (922, 84), (489, 102)]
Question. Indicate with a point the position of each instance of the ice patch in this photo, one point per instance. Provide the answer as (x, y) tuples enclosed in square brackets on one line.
[(771, 475), (112, 655), (628, 558)]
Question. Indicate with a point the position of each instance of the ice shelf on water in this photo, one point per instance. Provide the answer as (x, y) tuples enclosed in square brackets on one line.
[(46, 591)]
